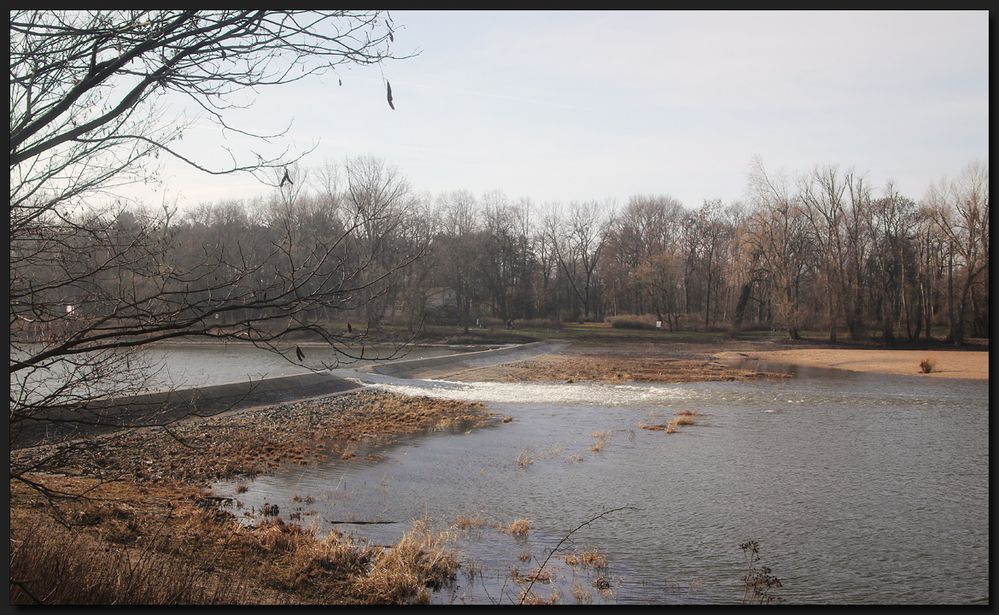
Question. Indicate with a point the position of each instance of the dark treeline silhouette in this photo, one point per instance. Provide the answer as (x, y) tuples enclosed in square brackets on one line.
[(823, 250)]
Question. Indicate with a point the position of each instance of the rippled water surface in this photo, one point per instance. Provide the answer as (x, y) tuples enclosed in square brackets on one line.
[(858, 488)]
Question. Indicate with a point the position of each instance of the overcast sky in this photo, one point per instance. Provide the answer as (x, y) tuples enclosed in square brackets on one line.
[(563, 106)]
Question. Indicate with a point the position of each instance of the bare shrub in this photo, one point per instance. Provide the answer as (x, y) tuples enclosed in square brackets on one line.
[(927, 365), (759, 582)]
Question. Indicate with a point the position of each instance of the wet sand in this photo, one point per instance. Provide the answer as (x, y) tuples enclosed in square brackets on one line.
[(947, 363)]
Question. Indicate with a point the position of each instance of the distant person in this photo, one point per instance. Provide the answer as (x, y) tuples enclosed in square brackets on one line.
[(349, 328)]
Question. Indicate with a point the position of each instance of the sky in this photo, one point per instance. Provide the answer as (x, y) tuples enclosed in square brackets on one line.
[(561, 106)]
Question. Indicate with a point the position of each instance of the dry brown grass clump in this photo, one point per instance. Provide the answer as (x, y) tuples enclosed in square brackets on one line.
[(464, 522), (682, 417), (530, 597), (405, 573), (525, 458), (927, 365), (600, 439), (587, 559), (685, 417), (518, 527), (593, 559), (581, 594), (52, 565)]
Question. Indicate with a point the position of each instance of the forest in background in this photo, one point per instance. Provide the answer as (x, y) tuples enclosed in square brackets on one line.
[(819, 250)]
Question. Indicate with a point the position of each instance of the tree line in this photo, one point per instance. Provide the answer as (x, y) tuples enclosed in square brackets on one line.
[(355, 242)]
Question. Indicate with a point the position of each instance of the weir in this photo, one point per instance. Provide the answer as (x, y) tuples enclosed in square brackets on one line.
[(104, 416), (436, 366), (151, 409)]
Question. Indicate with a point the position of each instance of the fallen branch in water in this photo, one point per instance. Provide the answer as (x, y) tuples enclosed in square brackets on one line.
[(360, 522)]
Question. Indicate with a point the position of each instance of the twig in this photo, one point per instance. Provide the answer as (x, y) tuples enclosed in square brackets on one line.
[(527, 592)]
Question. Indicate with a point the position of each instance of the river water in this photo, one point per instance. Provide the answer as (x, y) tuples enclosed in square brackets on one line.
[(858, 488)]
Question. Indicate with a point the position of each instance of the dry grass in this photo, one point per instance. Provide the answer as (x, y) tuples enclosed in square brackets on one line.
[(168, 544), (600, 439), (610, 367), (927, 365), (421, 561), (464, 522), (518, 527), (52, 565), (525, 458), (530, 597), (682, 417), (593, 559), (587, 559), (580, 594)]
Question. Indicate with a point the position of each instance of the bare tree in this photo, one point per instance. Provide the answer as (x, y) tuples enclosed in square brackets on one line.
[(90, 282), (778, 234), (577, 241), (961, 210)]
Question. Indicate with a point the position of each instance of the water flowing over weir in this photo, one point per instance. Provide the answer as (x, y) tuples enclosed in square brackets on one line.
[(859, 488)]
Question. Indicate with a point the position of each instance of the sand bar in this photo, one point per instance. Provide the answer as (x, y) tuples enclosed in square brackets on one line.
[(947, 363)]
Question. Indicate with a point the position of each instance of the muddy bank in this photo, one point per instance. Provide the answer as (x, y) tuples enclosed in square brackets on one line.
[(945, 363)]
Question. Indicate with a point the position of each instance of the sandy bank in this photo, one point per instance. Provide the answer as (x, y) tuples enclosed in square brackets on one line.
[(948, 363)]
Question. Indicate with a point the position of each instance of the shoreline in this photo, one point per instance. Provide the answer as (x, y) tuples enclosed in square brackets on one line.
[(957, 364), (144, 495)]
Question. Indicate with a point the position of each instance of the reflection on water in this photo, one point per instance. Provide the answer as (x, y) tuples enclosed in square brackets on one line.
[(859, 489)]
